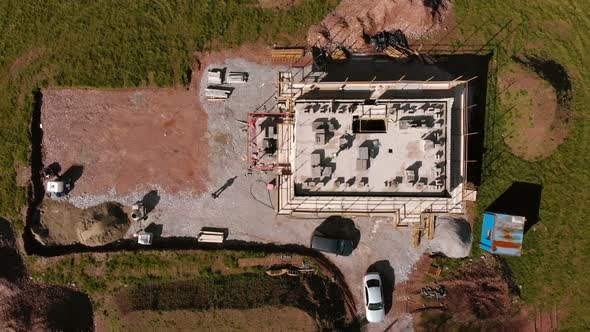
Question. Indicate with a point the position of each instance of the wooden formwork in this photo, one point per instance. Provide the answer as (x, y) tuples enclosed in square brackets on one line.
[(424, 228), (287, 54)]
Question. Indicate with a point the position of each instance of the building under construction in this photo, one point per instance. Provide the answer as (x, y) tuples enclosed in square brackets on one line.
[(395, 148)]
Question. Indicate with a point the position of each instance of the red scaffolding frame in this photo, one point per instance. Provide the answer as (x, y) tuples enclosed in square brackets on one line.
[(251, 145)]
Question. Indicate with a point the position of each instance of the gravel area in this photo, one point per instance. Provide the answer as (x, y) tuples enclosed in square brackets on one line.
[(245, 207)]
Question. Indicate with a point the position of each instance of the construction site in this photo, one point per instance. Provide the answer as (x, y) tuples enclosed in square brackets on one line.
[(354, 165), (275, 145), (285, 149)]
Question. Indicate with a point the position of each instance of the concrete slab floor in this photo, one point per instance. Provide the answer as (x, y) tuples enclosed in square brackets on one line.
[(392, 152)]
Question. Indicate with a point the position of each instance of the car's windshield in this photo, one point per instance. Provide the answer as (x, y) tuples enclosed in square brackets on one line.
[(375, 306), (372, 283), (340, 247)]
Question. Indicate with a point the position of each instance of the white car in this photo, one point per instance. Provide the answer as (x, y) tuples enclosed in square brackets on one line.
[(375, 308)]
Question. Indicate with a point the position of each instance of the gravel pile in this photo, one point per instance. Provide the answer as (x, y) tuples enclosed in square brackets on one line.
[(452, 237)]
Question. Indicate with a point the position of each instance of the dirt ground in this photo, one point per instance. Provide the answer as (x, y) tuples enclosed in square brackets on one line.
[(29, 306), (479, 297), (537, 127), (127, 140), (23, 175), (259, 319), (63, 224), (351, 20)]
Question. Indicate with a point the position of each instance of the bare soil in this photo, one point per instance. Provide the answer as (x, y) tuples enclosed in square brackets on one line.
[(479, 298), (351, 20), (28, 306), (537, 126), (128, 140), (259, 319), (23, 175), (63, 224)]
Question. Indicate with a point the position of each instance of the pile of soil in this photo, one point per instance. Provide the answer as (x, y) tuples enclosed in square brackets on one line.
[(453, 237), (481, 295), (353, 19), (62, 224), (27, 306)]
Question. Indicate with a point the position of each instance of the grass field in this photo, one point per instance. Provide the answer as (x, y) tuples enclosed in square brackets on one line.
[(128, 288), (109, 273), (555, 266)]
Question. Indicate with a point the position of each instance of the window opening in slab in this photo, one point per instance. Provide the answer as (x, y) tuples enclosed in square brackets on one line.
[(368, 125)]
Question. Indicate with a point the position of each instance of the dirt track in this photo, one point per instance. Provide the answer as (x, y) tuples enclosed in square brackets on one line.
[(127, 140)]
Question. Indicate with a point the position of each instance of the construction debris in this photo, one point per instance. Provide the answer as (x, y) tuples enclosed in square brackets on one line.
[(215, 76), (237, 77), (434, 271), (395, 45), (287, 54), (144, 238), (211, 237), (416, 234), (384, 39), (276, 273), (438, 293), (217, 93), (339, 54)]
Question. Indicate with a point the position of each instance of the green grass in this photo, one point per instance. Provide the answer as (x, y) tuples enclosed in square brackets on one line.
[(555, 266), (109, 273), (108, 43), (157, 280)]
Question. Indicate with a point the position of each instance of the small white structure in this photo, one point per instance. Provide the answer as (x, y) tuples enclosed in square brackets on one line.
[(235, 77), (210, 237), (144, 238), (215, 76), (55, 187)]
